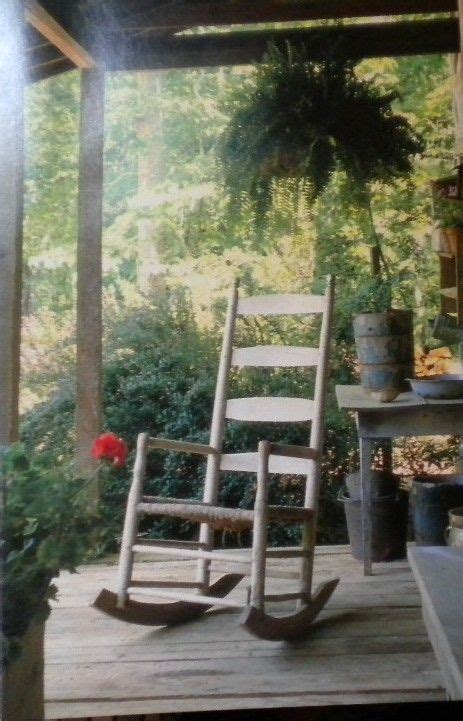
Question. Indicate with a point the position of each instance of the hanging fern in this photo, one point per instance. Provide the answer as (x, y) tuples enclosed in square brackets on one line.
[(307, 118)]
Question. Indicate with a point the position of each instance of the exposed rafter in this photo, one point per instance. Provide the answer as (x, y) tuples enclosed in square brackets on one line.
[(175, 16), (142, 33), (47, 26), (54, 67), (372, 40)]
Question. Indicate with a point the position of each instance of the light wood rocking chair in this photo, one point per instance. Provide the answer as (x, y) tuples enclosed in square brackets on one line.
[(270, 458)]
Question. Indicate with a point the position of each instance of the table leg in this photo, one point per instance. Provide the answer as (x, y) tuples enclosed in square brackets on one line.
[(386, 447), (366, 451)]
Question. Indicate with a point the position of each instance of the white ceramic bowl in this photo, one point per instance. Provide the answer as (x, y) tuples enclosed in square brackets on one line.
[(443, 387)]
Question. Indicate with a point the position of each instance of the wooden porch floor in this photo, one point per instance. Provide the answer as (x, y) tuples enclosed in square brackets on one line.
[(368, 646)]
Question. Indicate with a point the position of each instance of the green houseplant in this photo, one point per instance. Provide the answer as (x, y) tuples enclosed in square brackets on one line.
[(307, 119), (46, 526), (447, 213)]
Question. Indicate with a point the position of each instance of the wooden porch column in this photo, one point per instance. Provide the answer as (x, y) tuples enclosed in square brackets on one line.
[(89, 273), (458, 115), (12, 56), (458, 88)]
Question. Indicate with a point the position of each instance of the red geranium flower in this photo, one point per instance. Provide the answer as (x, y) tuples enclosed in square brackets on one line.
[(108, 446)]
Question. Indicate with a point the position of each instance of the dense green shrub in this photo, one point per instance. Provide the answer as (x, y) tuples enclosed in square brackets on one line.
[(46, 528), (160, 372)]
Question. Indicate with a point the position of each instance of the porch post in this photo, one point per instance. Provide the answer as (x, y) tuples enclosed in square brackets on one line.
[(458, 115), (89, 271), (12, 57)]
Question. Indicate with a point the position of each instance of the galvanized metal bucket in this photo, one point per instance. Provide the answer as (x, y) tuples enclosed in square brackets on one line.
[(431, 499), (382, 483), (389, 526)]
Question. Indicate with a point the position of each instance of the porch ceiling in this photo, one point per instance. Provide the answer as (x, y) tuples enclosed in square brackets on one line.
[(148, 34)]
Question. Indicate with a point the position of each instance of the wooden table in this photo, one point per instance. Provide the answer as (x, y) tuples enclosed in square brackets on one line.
[(438, 572), (408, 415)]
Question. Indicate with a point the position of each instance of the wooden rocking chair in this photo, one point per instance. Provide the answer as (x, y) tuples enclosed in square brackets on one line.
[(270, 458)]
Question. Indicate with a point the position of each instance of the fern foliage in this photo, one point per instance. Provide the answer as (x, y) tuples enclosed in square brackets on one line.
[(305, 119)]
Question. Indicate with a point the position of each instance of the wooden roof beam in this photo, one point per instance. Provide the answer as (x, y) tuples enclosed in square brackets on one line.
[(360, 41), (48, 70), (47, 26), (174, 17)]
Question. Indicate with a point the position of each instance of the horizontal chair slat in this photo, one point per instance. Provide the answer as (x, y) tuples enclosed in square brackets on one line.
[(286, 304), (167, 499), (165, 584), (275, 597), (169, 543), (275, 356), (242, 557), (187, 553), (167, 444), (189, 597), (292, 451), (247, 463), (269, 409)]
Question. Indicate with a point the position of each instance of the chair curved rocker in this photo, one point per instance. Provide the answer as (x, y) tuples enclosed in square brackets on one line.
[(201, 595), (163, 614), (291, 627)]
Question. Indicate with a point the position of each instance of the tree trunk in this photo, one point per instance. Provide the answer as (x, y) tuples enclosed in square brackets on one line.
[(150, 172)]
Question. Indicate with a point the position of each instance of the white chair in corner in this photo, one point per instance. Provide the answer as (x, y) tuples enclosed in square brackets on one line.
[(173, 606)]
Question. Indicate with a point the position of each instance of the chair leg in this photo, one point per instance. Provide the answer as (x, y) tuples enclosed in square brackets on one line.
[(308, 545), (129, 535), (203, 573), (253, 618), (259, 540)]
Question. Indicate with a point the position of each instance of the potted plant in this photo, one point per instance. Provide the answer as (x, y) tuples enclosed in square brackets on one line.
[(306, 119), (46, 526), (447, 202), (448, 217)]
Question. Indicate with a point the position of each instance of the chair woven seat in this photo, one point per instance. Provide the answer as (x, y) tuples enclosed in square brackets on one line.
[(220, 517)]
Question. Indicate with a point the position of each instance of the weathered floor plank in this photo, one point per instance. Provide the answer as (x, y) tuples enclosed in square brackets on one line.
[(368, 646)]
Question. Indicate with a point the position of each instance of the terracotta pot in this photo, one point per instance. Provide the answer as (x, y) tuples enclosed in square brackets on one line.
[(23, 682)]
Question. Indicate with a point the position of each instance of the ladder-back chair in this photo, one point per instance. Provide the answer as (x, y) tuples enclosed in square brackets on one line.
[(269, 458)]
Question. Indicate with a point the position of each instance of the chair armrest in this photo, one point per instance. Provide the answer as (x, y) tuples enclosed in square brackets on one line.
[(181, 446), (279, 449)]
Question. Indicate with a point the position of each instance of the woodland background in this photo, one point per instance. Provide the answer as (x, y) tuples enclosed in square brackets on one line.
[(172, 245)]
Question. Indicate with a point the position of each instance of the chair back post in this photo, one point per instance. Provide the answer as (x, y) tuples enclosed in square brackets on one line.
[(312, 489), (321, 383), (211, 484), (131, 520)]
